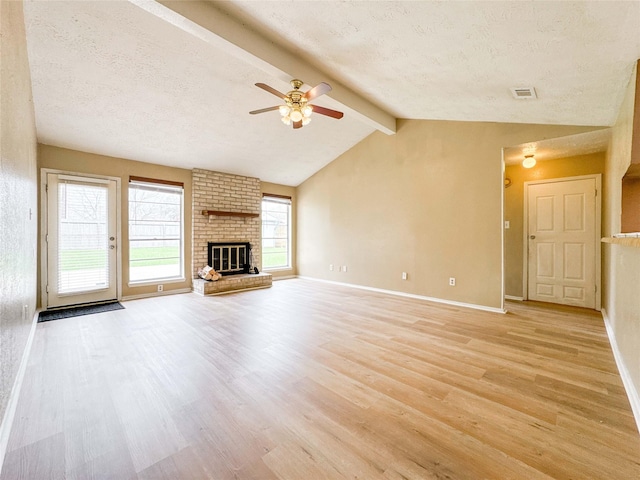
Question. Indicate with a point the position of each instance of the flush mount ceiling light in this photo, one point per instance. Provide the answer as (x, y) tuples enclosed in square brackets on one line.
[(529, 161), (296, 109)]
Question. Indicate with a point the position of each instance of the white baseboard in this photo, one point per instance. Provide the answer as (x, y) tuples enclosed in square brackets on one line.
[(632, 392), (14, 395), (156, 294), (514, 298), (411, 295)]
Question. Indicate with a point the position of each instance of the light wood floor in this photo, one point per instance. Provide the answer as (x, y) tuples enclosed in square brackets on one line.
[(314, 381)]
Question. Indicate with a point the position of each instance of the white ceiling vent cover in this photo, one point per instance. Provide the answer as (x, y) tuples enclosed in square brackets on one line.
[(523, 93)]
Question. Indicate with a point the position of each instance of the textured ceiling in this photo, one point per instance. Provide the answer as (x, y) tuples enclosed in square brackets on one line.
[(112, 78), (457, 60), (554, 148)]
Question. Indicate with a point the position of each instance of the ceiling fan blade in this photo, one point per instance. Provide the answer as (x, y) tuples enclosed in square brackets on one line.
[(318, 90), (262, 110), (297, 124), (327, 111), (272, 90)]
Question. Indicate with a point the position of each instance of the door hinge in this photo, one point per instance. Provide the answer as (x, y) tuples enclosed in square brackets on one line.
[(595, 288), (46, 187), (47, 288), (596, 192), (46, 237)]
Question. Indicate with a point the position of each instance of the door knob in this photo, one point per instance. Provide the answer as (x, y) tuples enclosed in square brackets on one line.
[(532, 237)]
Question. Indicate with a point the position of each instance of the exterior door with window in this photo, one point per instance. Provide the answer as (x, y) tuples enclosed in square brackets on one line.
[(562, 242), (81, 244)]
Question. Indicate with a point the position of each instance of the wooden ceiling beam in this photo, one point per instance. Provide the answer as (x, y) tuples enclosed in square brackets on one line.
[(205, 21)]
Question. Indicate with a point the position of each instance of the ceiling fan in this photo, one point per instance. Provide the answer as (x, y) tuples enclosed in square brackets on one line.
[(297, 110)]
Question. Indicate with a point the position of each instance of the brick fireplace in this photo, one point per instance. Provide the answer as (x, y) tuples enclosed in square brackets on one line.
[(236, 203)]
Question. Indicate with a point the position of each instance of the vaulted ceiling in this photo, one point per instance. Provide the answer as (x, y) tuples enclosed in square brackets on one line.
[(172, 82)]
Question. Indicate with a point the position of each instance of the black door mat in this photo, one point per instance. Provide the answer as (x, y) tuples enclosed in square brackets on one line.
[(49, 315)]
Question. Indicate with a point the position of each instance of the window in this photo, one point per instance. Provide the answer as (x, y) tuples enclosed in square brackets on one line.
[(276, 232), (155, 230)]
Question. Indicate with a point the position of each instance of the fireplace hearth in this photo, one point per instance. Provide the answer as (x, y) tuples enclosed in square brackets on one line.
[(229, 258)]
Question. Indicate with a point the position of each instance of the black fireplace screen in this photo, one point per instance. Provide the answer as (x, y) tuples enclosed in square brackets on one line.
[(229, 258)]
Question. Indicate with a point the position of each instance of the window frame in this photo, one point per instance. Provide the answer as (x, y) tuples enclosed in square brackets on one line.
[(282, 200), (166, 185)]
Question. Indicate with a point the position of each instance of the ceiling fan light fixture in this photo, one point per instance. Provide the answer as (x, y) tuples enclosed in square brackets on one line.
[(529, 161), (296, 115), (296, 109), (284, 110)]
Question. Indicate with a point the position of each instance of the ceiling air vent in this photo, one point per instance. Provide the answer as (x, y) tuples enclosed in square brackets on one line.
[(523, 93)]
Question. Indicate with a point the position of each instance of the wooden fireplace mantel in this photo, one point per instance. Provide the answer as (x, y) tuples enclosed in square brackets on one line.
[(221, 213)]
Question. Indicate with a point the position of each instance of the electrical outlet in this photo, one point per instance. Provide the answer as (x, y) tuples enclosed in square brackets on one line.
[(160, 288), (404, 275), (452, 281), (331, 267), (344, 268)]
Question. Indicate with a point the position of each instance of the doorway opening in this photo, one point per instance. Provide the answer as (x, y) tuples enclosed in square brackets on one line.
[(557, 158)]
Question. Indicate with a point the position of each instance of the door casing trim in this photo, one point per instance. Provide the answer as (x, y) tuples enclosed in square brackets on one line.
[(597, 234), (43, 228)]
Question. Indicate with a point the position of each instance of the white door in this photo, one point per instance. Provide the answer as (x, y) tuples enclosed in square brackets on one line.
[(562, 242), (81, 240)]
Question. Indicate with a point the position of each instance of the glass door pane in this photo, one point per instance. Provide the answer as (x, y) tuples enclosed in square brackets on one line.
[(83, 247)]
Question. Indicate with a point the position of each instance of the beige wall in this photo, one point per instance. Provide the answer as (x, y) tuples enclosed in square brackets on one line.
[(514, 206), (621, 266), (426, 201), (276, 189), (89, 163), (18, 202)]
